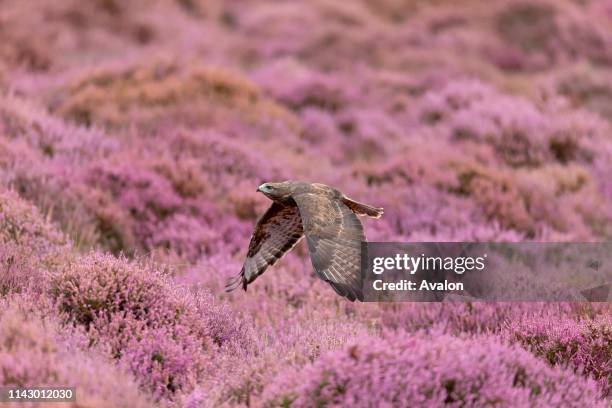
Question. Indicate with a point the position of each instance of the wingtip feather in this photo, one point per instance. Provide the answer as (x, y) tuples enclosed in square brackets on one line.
[(233, 283)]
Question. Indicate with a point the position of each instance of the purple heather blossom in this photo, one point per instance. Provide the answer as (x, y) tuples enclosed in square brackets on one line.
[(585, 346), (420, 370)]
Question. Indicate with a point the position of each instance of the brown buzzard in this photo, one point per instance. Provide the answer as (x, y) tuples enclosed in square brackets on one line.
[(333, 233)]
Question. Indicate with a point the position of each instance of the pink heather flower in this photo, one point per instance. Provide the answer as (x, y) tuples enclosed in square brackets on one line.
[(162, 333), (38, 352), (585, 346), (421, 370)]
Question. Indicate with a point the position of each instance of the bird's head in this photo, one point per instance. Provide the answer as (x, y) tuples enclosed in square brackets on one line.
[(275, 191)]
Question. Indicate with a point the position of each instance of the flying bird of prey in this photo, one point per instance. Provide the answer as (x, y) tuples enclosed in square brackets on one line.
[(328, 220)]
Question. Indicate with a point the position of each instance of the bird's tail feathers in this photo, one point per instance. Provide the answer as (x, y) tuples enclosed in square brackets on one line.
[(363, 209)]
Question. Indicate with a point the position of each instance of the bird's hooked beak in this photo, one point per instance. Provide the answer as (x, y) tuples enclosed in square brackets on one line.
[(260, 189)]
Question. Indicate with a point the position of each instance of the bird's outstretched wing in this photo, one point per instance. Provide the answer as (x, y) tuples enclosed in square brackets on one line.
[(334, 235), (276, 232)]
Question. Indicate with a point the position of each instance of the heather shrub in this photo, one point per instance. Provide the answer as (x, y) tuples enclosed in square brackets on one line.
[(24, 229), (431, 371), (295, 344), (49, 135), (17, 270), (138, 208), (587, 87), (300, 88), (185, 176), (532, 27), (30, 246), (480, 317), (63, 204), (549, 33), (510, 198), (584, 345), (508, 146), (450, 317), (101, 285), (40, 157), (162, 333), (30, 53), (221, 159), (520, 133), (67, 24), (142, 94), (33, 353), (144, 195), (162, 364), (22, 224), (106, 223)]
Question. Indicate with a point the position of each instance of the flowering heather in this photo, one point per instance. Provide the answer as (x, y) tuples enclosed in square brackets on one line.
[(471, 317), (150, 93), (28, 244), (133, 136), (162, 333), (584, 345), (441, 370), (32, 351)]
